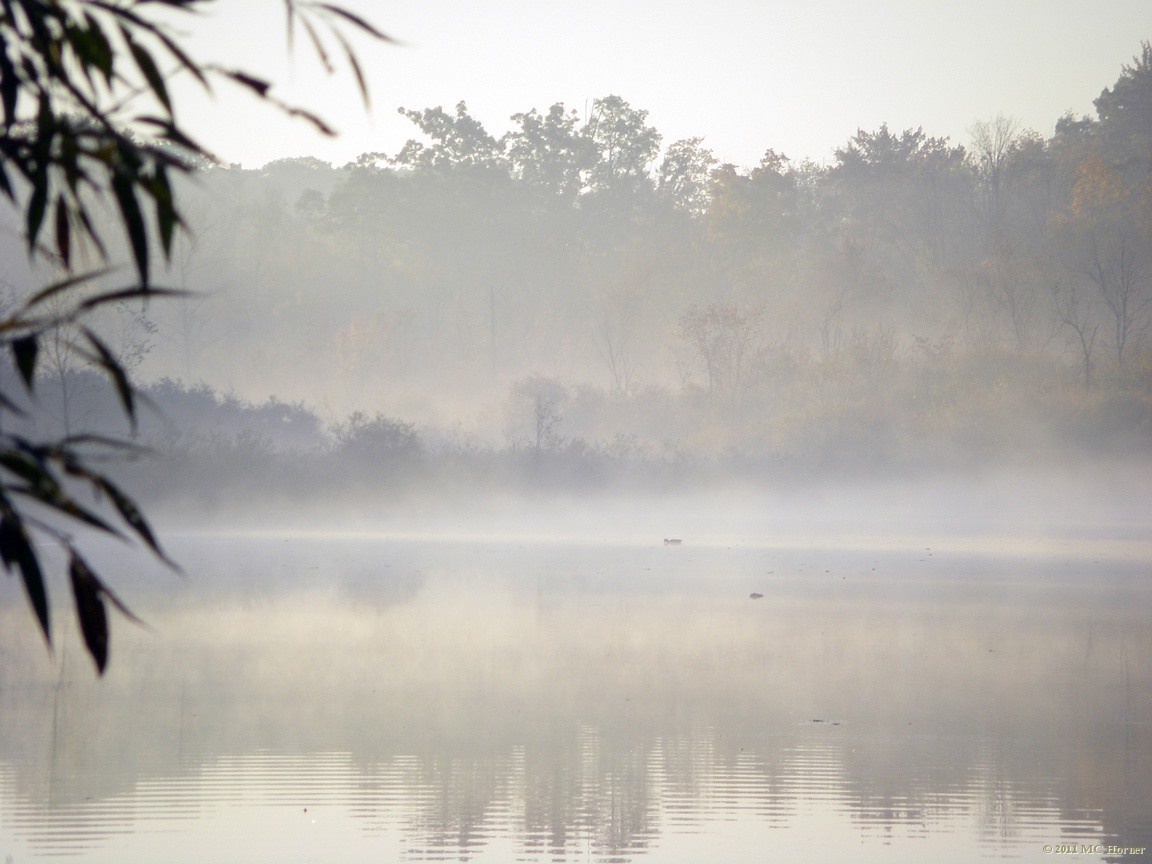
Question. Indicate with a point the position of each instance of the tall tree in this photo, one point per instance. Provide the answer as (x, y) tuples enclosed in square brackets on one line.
[(625, 146), (548, 152), (684, 175), (1125, 108), (896, 195), (459, 140)]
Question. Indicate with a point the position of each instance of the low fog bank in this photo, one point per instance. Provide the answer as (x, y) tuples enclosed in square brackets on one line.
[(1105, 503), (572, 461), (523, 497)]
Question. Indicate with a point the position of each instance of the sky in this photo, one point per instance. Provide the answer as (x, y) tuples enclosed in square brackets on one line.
[(800, 78)]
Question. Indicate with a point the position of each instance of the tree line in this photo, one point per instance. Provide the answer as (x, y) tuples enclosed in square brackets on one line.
[(573, 288), (911, 280)]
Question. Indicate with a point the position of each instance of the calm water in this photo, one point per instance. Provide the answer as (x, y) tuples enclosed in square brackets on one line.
[(398, 699)]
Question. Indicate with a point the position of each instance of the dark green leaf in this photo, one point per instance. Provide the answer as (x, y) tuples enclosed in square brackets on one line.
[(258, 86), (125, 192), (15, 549), (9, 88), (24, 351), (150, 71), (100, 49), (54, 498), (90, 230), (23, 466), (107, 360), (63, 285), (90, 612), (63, 231), (131, 294), (37, 204), (166, 217), (132, 515)]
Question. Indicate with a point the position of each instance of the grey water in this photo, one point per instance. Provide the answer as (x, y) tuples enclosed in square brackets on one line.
[(415, 698)]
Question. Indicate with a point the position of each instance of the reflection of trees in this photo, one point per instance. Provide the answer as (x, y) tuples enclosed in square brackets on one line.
[(577, 720)]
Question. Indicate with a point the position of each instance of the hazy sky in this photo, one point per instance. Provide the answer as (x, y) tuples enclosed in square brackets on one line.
[(797, 77)]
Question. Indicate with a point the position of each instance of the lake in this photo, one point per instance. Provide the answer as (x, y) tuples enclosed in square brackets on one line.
[(346, 698)]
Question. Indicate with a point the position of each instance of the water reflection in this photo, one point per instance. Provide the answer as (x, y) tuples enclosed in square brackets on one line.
[(367, 700)]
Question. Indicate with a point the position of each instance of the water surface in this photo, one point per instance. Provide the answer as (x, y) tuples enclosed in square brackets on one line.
[(365, 698)]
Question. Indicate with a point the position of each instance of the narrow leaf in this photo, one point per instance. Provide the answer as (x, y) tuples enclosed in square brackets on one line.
[(317, 45), (132, 515), (24, 351), (126, 14), (63, 285), (357, 20), (37, 204), (90, 612), (9, 88), (321, 127), (166, 216), (63, 231), (150, 72), (350, 55), (290, 14), (257, 85), (133, 220), (106, 359), (61, 503), (24, 466), (15, 549), (131, 294), (6, 184)]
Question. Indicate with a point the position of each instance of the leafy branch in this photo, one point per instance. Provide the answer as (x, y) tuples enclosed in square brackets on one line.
[(88, 127)]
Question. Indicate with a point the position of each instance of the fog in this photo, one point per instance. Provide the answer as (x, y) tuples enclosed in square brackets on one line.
[(425, 423), (581, 307), (562, 696)]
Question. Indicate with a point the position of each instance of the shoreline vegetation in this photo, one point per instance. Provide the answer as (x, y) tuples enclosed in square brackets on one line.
[(576, 308), (214, 457)]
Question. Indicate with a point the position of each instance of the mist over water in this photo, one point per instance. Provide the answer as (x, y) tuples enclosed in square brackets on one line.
[(569, 496), (568, 699)]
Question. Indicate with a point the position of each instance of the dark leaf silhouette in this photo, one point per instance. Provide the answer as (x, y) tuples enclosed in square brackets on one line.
[(88, 592), (24, 351), (15, 549)]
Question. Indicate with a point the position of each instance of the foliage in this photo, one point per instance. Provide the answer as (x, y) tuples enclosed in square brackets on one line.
[(625, 143), (380, 441), (684, 174), (548, 152), (1126, 107), (89, 124), (459, 141)]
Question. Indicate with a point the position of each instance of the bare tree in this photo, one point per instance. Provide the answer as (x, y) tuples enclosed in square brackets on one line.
[(1113, 264), (1076, 315), (722, 340), (995, 143), (535, 404)]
